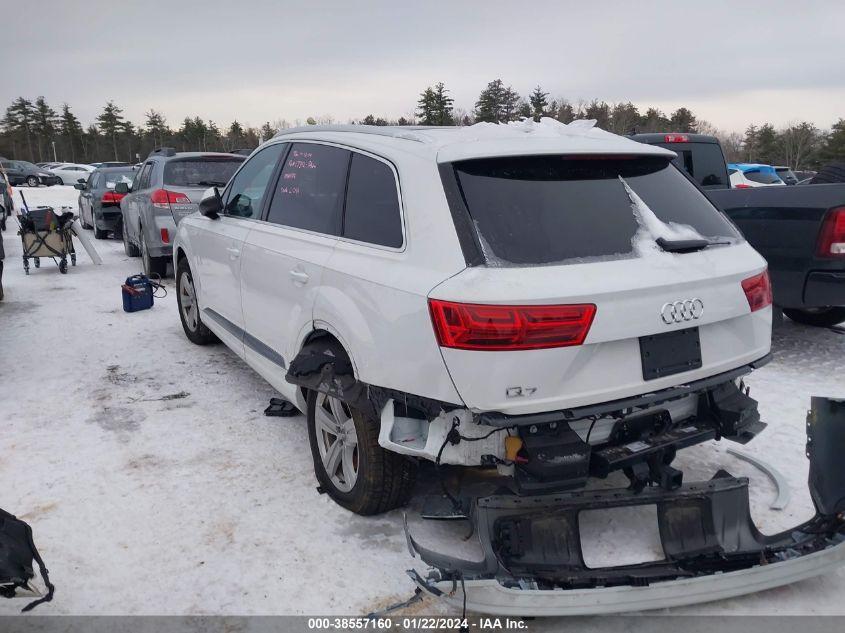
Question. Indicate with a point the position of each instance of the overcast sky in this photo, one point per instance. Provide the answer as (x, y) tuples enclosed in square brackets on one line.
[(732, 63)]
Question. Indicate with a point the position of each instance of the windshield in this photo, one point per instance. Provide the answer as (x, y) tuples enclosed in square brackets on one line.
[(114, 177), (200, 172), (532, 210)]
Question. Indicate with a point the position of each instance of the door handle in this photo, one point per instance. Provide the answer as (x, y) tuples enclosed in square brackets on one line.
[(234, 253), (299, 277)]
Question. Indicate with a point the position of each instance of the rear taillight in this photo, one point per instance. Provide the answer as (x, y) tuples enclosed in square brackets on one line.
[(165, 236), (162, 198), (497, 327), (832, 235), (676, 138), (110, 197), (758, 291), (743, 187)]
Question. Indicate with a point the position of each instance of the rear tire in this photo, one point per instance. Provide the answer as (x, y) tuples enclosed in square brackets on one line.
[(152, 265), (383, 480), (818, 317), (186, 298), (82, 221), (128, 247), (99, 234)]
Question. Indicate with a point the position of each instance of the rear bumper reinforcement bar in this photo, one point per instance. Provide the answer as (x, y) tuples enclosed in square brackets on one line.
[(533, 563)]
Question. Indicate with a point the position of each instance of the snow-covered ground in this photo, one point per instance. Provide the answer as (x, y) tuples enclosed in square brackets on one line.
[(155, 484)]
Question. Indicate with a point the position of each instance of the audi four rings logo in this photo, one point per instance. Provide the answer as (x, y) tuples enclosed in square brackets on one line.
[(685, 310)]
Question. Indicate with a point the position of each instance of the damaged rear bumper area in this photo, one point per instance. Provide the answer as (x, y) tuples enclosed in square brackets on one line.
[(533, 562)]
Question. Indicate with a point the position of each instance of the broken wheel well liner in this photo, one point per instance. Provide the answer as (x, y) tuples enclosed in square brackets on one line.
[(533, 562), (324, 365)]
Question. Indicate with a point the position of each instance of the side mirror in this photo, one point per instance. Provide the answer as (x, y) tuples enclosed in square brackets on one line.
[(80, 186), (211, 205), (121, 187)]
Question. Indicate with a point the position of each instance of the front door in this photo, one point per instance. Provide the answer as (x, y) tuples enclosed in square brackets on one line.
[(219, 248)]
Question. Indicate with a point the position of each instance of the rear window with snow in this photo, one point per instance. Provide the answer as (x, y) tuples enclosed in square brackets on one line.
[(200, 172), (531, 210)]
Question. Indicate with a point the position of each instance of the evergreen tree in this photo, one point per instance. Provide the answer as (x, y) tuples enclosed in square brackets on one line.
[(768, 145), (833, 148), (654, 121), (19, 121), (435, 106), (235, 136), (539, 103), (624, 118), (682, 120), (71, 131), (497, 104), (110, 121), (750, 144), (44, 127), (600, 111), (267, 131), (156, 128), (563, 111)]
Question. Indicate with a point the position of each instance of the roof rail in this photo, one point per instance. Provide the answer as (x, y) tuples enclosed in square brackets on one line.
[(163, 151), (407, 132)]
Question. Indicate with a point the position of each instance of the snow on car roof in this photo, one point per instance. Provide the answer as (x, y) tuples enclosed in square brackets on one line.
[(448, 144)]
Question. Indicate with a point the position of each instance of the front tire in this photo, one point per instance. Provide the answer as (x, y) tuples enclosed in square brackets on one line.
[(350, 465), (31, 181), (186, 298), (128, 247), (817, 317)]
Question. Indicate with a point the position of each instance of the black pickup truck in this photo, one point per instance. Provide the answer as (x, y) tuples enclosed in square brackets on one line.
[(800, 230)]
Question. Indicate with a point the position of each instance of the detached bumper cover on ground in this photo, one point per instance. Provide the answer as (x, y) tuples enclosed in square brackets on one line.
[(533, 563)]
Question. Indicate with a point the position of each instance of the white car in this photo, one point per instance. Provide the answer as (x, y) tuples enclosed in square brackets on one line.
[(550, 301), (71, 173), (747, 175)]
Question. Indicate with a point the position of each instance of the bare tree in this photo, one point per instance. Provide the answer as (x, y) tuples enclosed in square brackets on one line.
[(799, 142)]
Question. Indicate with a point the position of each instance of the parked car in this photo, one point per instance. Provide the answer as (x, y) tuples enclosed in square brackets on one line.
[(21, 172), (746, 175), (425, 294), (799, 230), (786, 174), (7, 203), (168, 187), (110, 163), (99, 203), (71, 173)]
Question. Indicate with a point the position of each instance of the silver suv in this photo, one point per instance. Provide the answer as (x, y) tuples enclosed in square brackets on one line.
[(167, 188)]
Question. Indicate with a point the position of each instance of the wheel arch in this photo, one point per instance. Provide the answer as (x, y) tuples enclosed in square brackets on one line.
[(318, 339)]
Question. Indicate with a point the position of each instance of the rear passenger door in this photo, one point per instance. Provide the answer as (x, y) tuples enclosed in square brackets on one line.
[(284, 255), (130, 203), (86, 197)]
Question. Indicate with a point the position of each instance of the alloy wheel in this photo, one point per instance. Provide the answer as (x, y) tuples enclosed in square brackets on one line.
[(188, 302), (337, 441)]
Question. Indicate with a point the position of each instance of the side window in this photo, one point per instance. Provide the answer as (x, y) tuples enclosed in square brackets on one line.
[(246, 194), (143, 179), (93, 181), (372, 203), (309, 193)]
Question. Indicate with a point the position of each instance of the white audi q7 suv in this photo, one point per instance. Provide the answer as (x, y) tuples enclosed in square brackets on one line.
[(552, 301)]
